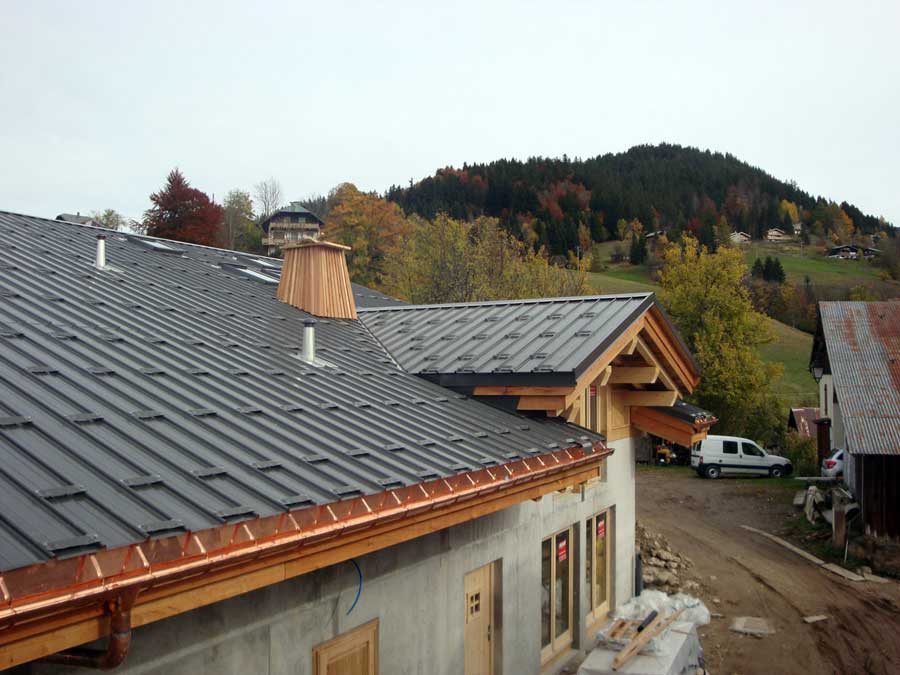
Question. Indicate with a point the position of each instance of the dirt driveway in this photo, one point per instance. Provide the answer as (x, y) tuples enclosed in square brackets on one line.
[(752, 576)]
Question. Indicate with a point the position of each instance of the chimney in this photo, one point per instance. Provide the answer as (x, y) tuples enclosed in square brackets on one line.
[(100, 262), (314, 278)]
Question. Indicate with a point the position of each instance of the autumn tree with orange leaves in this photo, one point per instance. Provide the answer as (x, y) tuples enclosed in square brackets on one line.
[(371, 226), (184, 213)]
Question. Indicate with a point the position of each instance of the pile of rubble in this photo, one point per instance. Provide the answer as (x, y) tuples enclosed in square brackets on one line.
[(663, 569)]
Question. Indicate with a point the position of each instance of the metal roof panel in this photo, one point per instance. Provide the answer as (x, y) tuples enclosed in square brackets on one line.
[(863, 343), (167, 392)]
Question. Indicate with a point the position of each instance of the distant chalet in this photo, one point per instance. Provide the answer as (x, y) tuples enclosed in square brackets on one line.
[(290, 223)]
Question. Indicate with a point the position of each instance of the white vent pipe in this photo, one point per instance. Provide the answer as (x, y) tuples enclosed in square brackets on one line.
[(309, 340), (100, 262)]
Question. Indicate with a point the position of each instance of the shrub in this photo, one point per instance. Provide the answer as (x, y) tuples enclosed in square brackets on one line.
[(802, 453)]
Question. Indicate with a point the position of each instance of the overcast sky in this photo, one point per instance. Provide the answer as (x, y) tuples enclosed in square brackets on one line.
[(98, 101)]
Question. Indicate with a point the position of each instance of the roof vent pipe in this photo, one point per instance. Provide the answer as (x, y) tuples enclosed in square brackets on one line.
[(309, 340), (100, 263)]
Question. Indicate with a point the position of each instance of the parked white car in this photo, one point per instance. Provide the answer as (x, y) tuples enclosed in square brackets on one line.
[(833, 467), (715, 456)]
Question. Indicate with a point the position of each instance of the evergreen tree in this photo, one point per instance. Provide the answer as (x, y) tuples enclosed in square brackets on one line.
[(638, 254), (787, 224), (708, 237), (778, 274), (757, 271), (769, 269)]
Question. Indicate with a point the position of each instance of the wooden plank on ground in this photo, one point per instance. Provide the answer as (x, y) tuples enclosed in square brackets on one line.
[(656, 627), (781, 542)]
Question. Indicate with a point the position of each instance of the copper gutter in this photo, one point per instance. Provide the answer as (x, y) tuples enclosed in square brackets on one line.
[(117, 646), (36, 591)]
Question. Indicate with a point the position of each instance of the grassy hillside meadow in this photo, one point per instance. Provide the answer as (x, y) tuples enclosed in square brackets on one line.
[(811, 262)]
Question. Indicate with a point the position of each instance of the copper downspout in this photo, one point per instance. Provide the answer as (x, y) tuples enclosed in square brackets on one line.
[(117, 645)]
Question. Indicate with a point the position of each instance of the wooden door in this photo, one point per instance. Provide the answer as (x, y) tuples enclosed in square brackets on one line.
[(479, 593), (353, 653)]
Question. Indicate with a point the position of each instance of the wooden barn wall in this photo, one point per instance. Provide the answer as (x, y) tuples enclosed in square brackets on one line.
[(878, 483)]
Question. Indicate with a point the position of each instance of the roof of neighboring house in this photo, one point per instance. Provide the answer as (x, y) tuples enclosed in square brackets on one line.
[(165, 395), (804, 421), (76, 218), (543, 341), (859, 344), (776, 230), (740, 234), (294, 208)]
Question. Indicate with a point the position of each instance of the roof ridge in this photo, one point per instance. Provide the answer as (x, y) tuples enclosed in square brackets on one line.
[(137, 235), (518, 301)]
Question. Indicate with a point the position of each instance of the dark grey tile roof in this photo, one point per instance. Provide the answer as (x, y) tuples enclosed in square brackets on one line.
[(529, 341), (166, 394), (863, 344)]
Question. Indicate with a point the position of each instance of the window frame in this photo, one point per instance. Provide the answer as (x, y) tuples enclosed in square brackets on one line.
[(564, 640), (598, 612)]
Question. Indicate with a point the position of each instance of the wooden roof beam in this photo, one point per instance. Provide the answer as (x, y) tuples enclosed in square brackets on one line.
[(634, 375), (650, 357), (648, 398)]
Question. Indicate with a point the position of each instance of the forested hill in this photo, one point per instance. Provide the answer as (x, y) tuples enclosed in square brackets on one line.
[(662, 186)]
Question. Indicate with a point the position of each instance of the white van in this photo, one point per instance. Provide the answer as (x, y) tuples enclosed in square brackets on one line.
[(718, 455)]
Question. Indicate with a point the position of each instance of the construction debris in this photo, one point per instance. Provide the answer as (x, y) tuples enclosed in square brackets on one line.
[(645, 632), (813, 504), (656, 601), (752, 625), (664, 569), (815, 618)]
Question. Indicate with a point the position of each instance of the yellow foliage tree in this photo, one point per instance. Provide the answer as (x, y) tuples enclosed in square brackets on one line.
[(705, 295), (449, 260), (789, 208), (371, 226)]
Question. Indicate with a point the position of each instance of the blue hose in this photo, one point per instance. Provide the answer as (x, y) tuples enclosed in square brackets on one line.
[(358, 590)]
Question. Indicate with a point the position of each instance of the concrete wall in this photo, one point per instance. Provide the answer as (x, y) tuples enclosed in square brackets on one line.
[(414, 589)]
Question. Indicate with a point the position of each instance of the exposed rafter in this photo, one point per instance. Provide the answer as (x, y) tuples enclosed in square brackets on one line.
[(634, 374)]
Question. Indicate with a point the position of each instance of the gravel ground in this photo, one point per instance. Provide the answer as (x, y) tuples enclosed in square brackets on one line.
[(743, 574)]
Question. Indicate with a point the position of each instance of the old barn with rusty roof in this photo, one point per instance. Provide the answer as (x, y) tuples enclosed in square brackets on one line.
[(219, 462), (856, 360)]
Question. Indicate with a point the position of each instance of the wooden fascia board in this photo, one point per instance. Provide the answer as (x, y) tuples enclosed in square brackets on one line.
[(669, 345), (541, 402), (634, 375), (486, 390), (648, 398), (81, 624), (660, 425)]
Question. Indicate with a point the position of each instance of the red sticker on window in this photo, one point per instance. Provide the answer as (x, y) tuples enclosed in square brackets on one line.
[(562, 550), (601, 528)]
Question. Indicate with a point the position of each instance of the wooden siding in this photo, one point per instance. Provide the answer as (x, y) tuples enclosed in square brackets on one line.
[(315, 278)]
